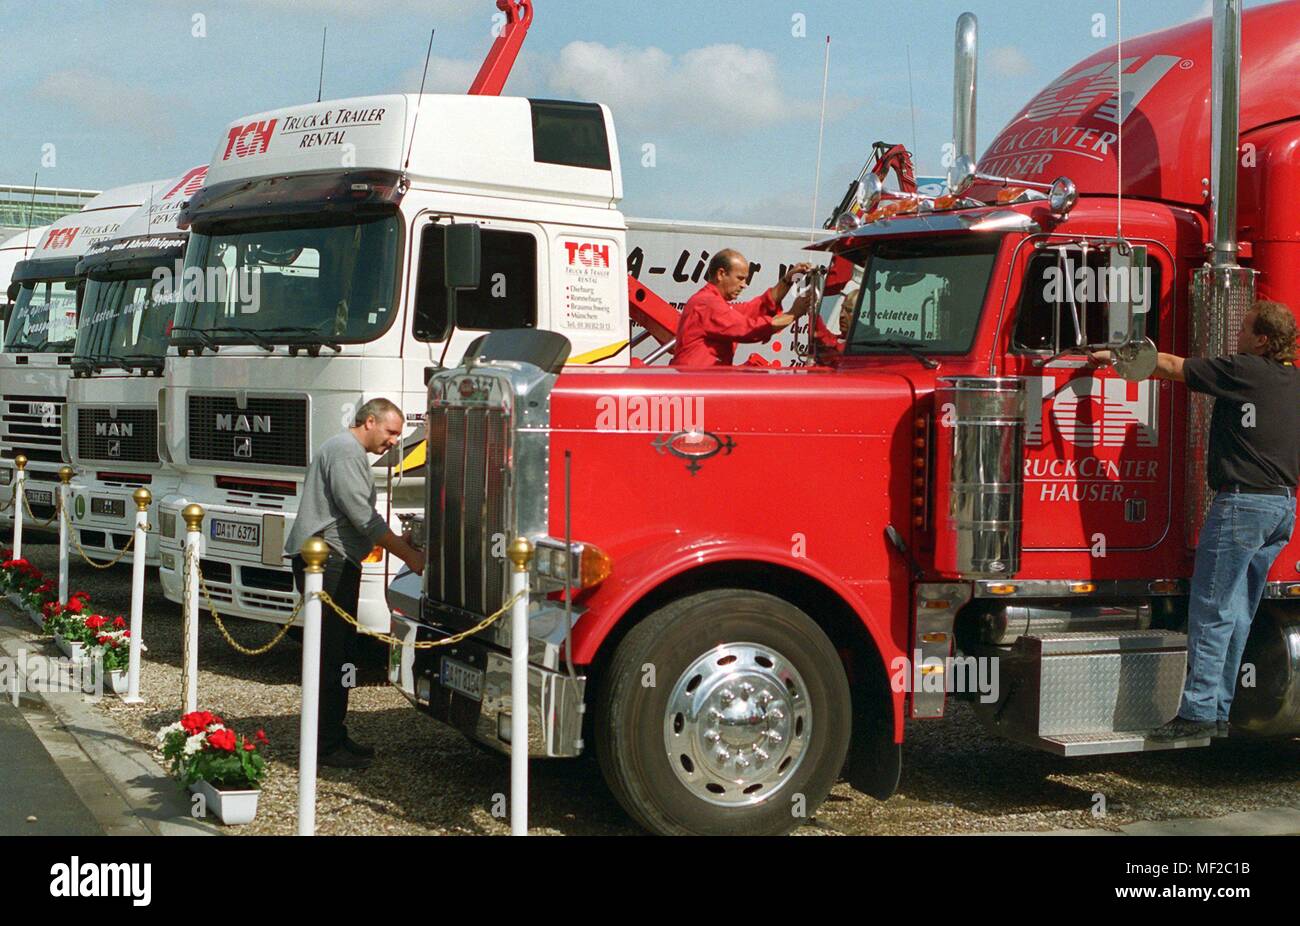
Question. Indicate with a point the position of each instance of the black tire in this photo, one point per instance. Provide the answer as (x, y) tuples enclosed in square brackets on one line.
[(636, 737)]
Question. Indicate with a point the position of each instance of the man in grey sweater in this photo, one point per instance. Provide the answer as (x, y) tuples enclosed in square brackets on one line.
[(338, 505)]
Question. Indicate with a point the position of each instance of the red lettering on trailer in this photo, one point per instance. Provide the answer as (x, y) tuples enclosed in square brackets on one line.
[(242, 145), (60, 238), (586, 254), (190, 183)]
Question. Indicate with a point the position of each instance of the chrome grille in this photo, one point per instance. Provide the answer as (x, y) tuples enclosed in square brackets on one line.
[(130, 436), (33, 426), (469, 506), (284, 444)]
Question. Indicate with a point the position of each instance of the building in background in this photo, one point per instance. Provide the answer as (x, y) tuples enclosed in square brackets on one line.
[(24, 207)]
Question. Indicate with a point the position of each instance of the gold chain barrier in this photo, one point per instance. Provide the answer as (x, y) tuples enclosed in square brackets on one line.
[(235, 644), (72, 534), (424, 644), (37, 521)]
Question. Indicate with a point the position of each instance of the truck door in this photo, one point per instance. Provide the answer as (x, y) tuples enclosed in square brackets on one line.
[(1098, 452)]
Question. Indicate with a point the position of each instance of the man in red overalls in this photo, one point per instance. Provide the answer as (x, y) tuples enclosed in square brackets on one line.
[(712, 324)]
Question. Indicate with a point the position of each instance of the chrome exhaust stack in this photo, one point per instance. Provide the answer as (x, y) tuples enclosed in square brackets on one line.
[(963, 91), (1222, 291)]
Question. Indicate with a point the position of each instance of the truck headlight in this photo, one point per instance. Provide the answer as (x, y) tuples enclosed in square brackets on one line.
[(582, 565)]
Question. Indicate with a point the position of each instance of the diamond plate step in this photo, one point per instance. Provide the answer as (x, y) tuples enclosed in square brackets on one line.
[(1095, 744)]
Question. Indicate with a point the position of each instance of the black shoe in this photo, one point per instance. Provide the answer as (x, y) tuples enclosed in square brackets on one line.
[(357, 749), (1182, 729), (342, 758)]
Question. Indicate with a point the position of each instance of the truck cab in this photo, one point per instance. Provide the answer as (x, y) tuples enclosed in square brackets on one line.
[(742, 578), (112, 434), (36, 363)]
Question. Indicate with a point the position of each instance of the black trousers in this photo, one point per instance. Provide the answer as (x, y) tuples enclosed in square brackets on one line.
[(338, 647)]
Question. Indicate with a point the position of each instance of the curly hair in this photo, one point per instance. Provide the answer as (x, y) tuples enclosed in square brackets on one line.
[(1274, 321)]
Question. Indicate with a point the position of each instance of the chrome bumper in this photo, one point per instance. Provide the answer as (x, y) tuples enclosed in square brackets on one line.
[(555, 700)]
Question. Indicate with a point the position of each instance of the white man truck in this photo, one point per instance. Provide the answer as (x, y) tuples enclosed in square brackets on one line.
[(36, 364), (111, 420), (318, 242)]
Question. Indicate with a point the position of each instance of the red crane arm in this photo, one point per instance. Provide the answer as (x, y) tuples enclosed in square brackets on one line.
[(501, 56)]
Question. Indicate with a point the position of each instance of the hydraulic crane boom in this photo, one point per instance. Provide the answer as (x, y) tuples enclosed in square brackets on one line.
[(501, 57)]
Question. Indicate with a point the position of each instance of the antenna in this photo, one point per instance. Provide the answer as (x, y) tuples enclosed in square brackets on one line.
[(1119, 112), (911, 101), (416, 119), (821, 128), (320, 84), (31, 212)]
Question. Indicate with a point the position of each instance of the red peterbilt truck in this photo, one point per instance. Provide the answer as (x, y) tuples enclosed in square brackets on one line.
[(771, 572)]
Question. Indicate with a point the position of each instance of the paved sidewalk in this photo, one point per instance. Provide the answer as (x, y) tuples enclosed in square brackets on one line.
[(73, 763)]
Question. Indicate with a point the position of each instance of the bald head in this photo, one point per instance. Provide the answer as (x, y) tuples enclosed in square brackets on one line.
[(729, 272)]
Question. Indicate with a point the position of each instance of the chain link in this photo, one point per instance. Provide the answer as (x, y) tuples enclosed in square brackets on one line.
[(423, 644), (37, 521), (72, 533), (324, 598), (185, 631)]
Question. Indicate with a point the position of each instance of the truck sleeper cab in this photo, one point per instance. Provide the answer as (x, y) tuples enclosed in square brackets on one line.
[(112, 434), (36, 364)]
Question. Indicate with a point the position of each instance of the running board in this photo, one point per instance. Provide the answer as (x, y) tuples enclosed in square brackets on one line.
[(1097, 744)]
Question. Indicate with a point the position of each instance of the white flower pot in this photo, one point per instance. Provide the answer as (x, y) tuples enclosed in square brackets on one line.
[(116, 681), (37, 618), (74, 651), (232, 808)]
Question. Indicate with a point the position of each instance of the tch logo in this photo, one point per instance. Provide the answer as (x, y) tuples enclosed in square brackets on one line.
[(59, 238), (1076, 93), (189, 184), (253, 138), (587, 255), (1092, 412)]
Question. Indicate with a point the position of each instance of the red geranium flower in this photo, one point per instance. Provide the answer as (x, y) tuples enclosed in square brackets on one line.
[(119, 623), (222, 739), (94, 622), (249, 747), (198, 721), (74, 605), (260, 735)]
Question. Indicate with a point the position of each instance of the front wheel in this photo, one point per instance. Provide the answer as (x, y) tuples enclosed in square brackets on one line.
[(725, 712)]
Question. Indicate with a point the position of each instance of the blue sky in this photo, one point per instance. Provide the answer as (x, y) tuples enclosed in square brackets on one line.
[(725, 91)]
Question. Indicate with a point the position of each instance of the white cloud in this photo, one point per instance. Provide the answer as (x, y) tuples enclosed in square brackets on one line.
[(736, 86), (106, 101), (1010, 61), (454, 75)]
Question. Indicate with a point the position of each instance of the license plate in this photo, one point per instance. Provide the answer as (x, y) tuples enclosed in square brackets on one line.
[(40, 496), (113, 507), (236, 532), (459, 677)]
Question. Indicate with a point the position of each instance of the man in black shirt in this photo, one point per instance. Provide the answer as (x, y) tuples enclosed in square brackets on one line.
[(1253, 466)]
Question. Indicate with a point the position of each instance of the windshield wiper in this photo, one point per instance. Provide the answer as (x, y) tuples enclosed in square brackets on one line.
[(315, 337), (204, 336), (31, 347), (152, 361), (254, 335), (928, 362), (91, 360)]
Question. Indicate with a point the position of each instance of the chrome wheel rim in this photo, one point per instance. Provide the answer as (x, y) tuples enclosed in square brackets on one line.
[(737, 724)]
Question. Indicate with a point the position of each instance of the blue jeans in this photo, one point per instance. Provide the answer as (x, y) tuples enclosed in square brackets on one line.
[(1243, 534)]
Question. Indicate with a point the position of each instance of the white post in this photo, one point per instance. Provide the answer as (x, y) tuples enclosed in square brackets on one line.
[(142, 498), (20, 482), (314, 553), (61, 508), (193, 515), (521, 553)]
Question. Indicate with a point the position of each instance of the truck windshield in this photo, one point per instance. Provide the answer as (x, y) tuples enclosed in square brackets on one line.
[(44, 318), (301, 284), (921, 294), (123, 321)]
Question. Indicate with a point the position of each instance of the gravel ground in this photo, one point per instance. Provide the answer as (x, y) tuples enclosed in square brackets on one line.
[(430, 780)]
